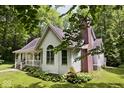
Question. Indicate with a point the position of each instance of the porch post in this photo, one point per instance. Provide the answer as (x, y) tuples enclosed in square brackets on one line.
[(20, 56), (33, 60), (40, 55), (25, 58)]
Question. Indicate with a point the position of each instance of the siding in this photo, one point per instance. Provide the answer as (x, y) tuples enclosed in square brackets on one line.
[(77, 64), (50, 39)]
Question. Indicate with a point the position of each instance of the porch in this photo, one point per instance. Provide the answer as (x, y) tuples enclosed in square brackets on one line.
[(29, 59)]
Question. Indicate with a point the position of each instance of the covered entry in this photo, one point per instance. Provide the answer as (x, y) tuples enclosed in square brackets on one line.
[(28, 55)]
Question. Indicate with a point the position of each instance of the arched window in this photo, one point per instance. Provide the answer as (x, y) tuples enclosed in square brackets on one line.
[(50, 55)]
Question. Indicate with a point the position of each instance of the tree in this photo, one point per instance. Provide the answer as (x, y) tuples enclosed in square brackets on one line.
[(107, 22), (109, 27), (77, 24), (47, 16), (12, 31), (20, 24)]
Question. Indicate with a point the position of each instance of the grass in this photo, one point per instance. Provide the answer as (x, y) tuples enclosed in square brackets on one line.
[(109, 77), (5, 66), (20, 79)]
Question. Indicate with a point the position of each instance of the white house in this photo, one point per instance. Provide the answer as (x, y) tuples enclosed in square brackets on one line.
[(39, 53)]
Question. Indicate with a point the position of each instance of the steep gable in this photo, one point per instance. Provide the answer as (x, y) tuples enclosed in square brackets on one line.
[(58, 33)]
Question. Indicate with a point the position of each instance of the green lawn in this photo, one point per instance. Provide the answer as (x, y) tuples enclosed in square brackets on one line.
[(5, 66), (109, 77)]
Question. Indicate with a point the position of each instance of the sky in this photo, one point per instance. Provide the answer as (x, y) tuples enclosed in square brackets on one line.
[(64, 9)]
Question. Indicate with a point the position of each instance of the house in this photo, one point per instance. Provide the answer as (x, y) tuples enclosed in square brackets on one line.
[(39, 53)]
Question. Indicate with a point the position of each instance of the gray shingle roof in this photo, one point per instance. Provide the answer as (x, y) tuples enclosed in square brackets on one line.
[(29, 47), (32, 45), (59, 32)]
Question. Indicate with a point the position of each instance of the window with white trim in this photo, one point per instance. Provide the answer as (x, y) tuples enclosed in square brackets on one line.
[(64, 57), (50, 55)]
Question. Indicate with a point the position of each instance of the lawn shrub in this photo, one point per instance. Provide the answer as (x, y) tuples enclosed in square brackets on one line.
[(74, 78), (85, 77), (36, 72), (71, 77)]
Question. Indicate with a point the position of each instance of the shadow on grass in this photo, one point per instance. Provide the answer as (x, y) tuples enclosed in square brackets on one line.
[(104, 85), (69, 85), (118, 71), (37, 85), (66, 85), (89, 85), (33, 85)]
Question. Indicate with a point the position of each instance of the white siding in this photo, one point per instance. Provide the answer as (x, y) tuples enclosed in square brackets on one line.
[(77, 64), (57, 67), (50, 39), (99, 60), (64, 68)]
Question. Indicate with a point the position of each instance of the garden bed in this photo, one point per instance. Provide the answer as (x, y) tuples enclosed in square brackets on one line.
[(71, 76)]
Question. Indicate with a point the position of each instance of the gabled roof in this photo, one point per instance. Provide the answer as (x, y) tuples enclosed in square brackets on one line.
[(34, 44), (57, 31)]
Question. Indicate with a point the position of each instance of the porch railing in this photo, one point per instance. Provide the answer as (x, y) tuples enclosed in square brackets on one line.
[(29, 62), (33, 63)]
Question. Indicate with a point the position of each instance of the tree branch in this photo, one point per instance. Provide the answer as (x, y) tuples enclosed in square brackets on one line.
[(71, 9)]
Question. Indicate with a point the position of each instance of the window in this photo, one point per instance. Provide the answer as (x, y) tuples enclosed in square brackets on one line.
[(50, 55), (64, 57)]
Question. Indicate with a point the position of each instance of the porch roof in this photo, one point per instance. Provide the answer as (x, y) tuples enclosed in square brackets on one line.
[(30, 47)]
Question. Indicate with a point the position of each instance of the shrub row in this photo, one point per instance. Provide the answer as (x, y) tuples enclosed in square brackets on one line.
[(36, 72), (71, 76)]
